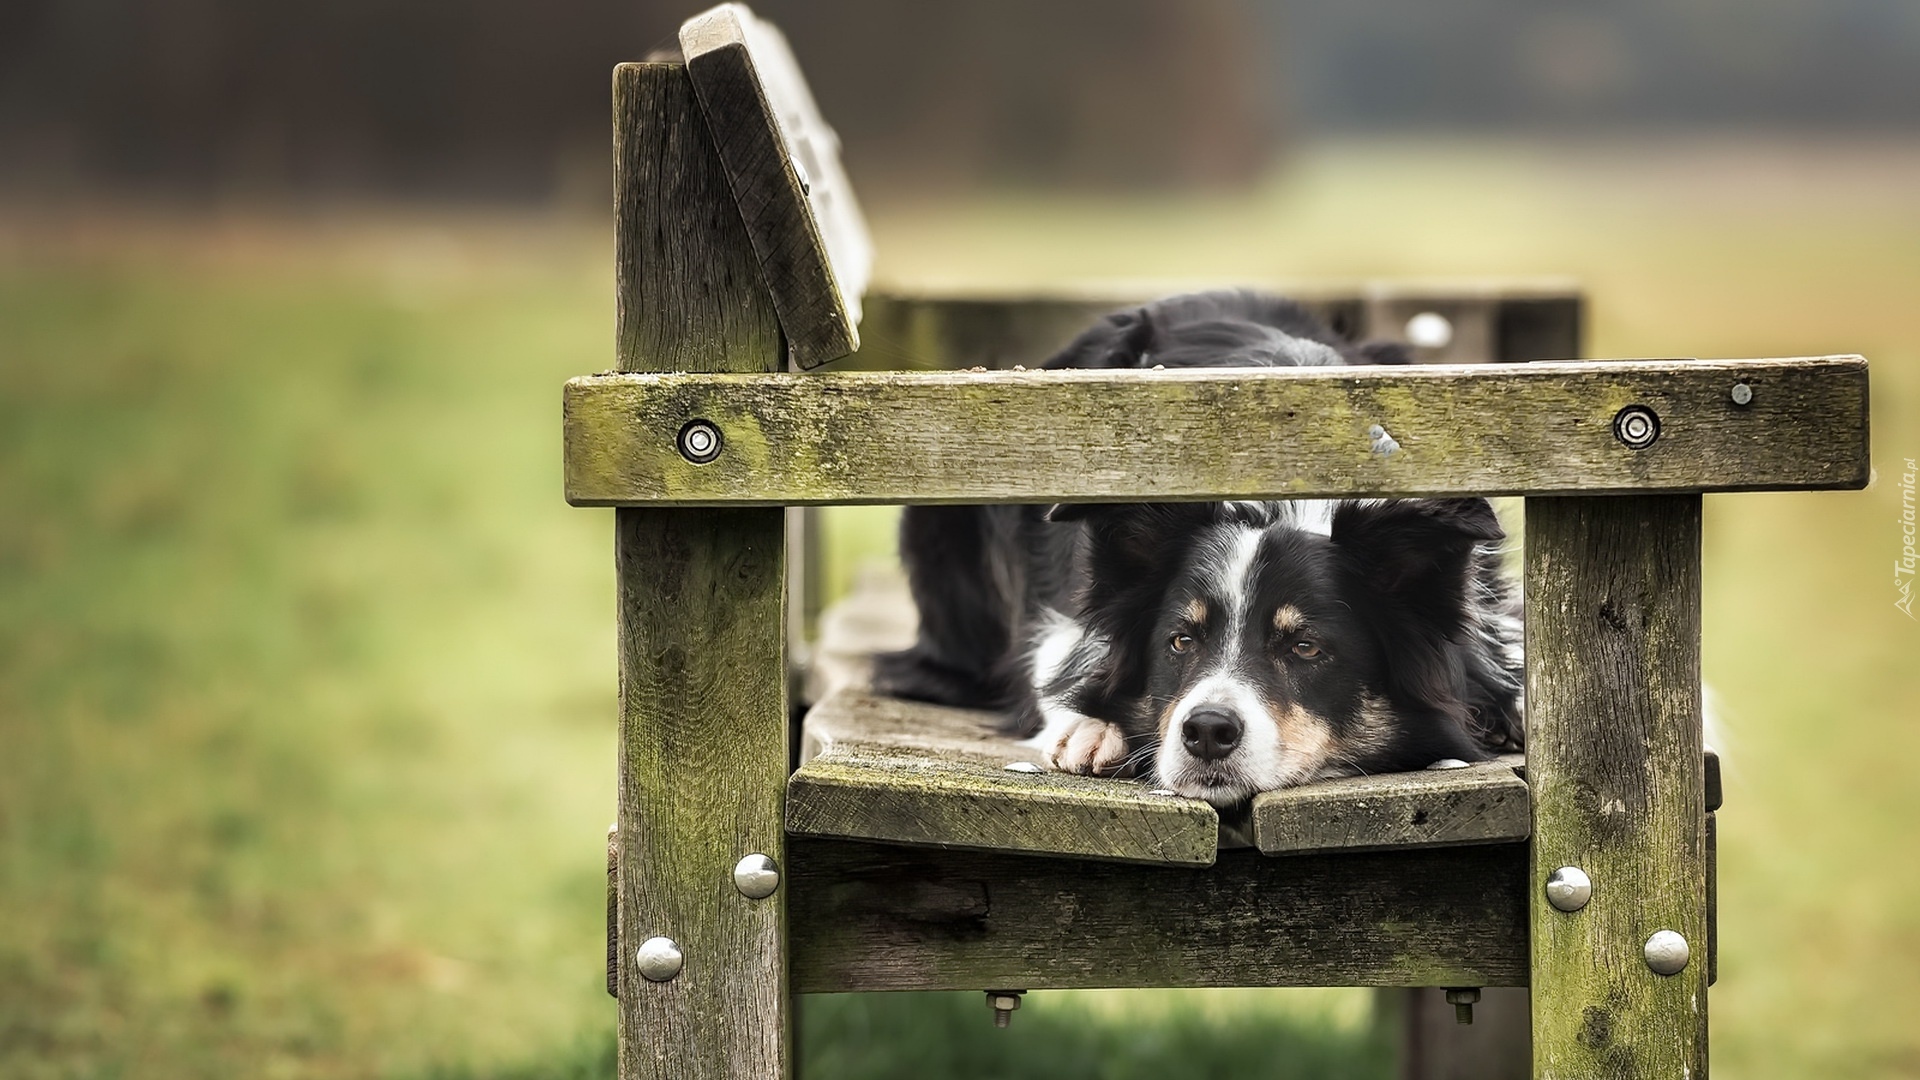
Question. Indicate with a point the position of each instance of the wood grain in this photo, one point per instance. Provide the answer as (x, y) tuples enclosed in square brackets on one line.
[(1480, 804), (881, 917), (1615, 764), (783, 164), (910, 773), (703, 742), (686, 279), (1216, 434)]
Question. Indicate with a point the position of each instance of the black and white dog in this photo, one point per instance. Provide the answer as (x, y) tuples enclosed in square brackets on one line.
[(1222, 648)]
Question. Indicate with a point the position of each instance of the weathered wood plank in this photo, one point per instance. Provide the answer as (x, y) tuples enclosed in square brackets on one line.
[(703, 747), (911, 773), (783, 164), (1228, 434), (881, 917), (1480, 804), (1615, 765)]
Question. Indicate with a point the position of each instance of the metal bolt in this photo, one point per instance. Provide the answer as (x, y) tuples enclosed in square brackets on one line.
[(1022, 766), (1636, 426), (1742, 393), (1666, 952), (1429, 330), (1380, 442), (1462, 999), (1163, 792), (1448, 763), (700, 441), (659, 959), (756, 876), (1003, 1003), (1569, 888)]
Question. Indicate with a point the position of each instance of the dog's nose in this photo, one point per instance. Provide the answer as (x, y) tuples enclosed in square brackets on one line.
[(1210, 734)]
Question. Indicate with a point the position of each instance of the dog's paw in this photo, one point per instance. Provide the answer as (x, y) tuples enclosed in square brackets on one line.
[(1089, 747)]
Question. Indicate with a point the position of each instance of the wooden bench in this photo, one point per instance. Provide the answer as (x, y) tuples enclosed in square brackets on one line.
[(885, 845)]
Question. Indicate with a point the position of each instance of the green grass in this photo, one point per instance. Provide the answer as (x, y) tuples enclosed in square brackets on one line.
[(306, 672)]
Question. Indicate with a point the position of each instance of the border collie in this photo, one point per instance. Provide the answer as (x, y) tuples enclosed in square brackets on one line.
[(1222, 649)]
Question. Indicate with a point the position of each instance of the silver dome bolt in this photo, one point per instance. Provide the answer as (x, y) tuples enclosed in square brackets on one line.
[(1742, 394), (1569, 888), (756, 876), (659, 959), (1666, 952)]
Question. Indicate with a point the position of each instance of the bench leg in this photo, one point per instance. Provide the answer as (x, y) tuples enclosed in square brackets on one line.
[(1615, 765), (703, 759)]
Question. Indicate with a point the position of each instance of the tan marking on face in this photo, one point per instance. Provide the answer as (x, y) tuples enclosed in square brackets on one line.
[(1372, 729), (1306, 741), (1289, 619), (1197, 612)]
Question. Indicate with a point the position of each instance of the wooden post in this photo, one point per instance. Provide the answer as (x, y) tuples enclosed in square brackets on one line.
[(1615, 765), (703, 743)]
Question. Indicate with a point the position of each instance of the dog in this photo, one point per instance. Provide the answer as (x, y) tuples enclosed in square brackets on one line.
[(1221, 649)]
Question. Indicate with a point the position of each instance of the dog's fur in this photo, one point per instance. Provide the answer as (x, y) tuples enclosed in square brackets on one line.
[(1223, 648)]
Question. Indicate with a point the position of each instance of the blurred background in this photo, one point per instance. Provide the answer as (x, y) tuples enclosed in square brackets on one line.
[(306, 672)]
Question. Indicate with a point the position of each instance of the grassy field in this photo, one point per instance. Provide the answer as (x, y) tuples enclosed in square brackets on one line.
[(306, 671)]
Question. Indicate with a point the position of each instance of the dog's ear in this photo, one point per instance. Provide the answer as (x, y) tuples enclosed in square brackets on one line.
[(1129, 548), (1416, 559), (1121, 340), (1417, 553)]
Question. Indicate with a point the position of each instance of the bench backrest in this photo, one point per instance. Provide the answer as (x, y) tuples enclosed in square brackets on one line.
[(782, 162)]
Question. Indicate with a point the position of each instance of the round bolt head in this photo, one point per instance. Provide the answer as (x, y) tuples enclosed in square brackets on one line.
[(1448, 763), (1569, 888), (699, 441), (1742, 394), (1429, 330), (659, 959), (1163, 792), (1636, 426), (756, 876), (1022, 766), (1666, 952)]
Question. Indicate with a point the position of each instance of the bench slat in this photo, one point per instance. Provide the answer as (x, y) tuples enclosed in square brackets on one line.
[(1480, 804), (1090, 436), (911, 773)]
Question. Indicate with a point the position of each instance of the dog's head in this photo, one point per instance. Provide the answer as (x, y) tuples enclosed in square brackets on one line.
[(1260, 645)]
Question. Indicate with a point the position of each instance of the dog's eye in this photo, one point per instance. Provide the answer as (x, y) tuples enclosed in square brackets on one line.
[(1306, 650), (1180, 642)]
